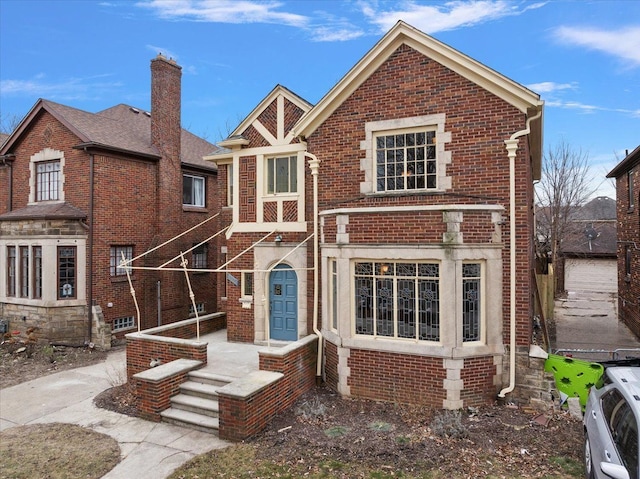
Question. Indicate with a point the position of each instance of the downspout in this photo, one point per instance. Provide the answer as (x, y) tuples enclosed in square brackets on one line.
[(90, 258), (512, 146), (314, 164)]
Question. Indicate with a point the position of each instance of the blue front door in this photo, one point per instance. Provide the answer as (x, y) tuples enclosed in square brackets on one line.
[(283, 303)]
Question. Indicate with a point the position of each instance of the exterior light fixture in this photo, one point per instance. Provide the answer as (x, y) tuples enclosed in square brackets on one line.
[(278, 239)]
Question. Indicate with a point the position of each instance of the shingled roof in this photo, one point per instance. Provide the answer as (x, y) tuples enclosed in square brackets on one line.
[(121, 127)]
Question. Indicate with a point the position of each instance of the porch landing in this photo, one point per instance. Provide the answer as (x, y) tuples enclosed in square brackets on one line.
[(232, 359)]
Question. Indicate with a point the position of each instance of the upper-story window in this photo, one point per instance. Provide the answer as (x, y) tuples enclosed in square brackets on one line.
[(193, 190), (230, 184), (282, 175), (406, 156), (48, 180), (116, 258), (630, 189), (406, 160)]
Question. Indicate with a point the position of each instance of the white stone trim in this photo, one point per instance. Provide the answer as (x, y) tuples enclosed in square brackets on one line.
[(47, 154), (266, 256), (443, 158)]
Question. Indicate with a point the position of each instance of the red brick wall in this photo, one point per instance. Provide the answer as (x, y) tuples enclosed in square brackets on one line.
[(155, 396), (394, 377), (5, 175), (478, 121), (241, 418), (629, 236), (478, 375), (298, 367), (142, 349), (331, 364)]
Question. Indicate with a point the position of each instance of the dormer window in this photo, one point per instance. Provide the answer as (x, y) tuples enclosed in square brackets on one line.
[(48, 180)]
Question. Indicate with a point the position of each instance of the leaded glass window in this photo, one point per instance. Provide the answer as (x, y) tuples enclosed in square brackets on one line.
[(471, 318), (398, 300), (66, 272)]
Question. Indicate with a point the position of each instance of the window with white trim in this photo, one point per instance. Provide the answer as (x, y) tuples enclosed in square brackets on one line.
[(282, 175), (193, 192), (199, 308), (471, 302), (48, 180), (12, 268), (46, 176), (37, 271), (116, 259), (247, 284), (230, 184), (24, 271), (67, 272), (120, 324), (334, 293), (397, 300), (630, 189), (406, 160)]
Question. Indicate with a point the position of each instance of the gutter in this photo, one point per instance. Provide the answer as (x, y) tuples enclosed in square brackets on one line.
[(512, 146), (314, 164)]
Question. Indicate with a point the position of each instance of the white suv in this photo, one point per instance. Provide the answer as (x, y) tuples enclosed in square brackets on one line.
[(611, 425)]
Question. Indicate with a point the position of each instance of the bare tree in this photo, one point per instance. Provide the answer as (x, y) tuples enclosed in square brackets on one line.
[(566, 184), (8, 123)]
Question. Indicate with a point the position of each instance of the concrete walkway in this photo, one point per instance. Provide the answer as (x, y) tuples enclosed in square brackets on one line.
[(148, 449), (589, 321)]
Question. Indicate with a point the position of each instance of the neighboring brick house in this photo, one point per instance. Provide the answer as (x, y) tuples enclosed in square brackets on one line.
[(587, 260), (415, 172), (627, 175), (80, 189)]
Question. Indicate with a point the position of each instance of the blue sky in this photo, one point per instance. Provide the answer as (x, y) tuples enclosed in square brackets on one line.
[(582, 57)]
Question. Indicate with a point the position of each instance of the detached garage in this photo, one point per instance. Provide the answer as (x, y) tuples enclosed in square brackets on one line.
[(591, 274), (589, 256)]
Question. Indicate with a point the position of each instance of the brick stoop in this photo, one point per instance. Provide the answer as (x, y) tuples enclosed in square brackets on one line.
[(196, 406)]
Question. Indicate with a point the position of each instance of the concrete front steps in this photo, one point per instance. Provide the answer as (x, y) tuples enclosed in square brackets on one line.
[(196, 406)]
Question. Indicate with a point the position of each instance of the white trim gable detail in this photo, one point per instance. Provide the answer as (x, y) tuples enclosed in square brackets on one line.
[(443, 158), (48, 154)]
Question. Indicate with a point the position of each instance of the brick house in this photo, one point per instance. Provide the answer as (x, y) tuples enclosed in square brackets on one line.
[(78, 190), (394, 219), (627, 175)]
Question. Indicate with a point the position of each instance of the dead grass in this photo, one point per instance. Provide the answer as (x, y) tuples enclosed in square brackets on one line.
[(56, 451)]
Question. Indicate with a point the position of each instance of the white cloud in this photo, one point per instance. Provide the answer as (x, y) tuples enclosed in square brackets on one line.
[(332, 34), (448, 16), (225, 11), (66, 89), (623, 43), (586, 108), (551, 87)]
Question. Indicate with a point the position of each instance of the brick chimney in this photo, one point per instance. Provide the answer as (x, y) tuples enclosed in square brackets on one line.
[(166, 77), (165, 136)]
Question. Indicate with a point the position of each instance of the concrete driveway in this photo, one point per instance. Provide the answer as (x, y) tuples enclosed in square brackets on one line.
[(589, 321)]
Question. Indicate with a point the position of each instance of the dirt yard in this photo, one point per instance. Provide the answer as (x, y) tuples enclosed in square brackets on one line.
[(492, 441)]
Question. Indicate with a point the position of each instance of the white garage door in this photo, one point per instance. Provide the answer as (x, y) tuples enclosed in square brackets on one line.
[(591, 275)]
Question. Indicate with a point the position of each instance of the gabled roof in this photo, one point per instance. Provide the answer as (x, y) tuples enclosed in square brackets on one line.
[(273, 94), (626, 164), (513, 93), (120, 128)]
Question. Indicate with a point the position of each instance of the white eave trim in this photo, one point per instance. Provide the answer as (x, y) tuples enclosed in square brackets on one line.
[(402, 33)]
